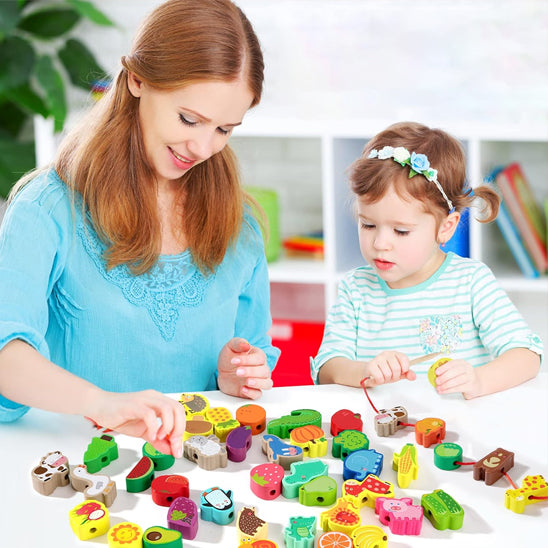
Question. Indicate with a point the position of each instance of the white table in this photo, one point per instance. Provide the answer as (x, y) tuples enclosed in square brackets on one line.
[(516, 420)]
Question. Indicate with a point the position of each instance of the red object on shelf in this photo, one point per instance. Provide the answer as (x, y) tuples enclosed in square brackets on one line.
[(298, 341)]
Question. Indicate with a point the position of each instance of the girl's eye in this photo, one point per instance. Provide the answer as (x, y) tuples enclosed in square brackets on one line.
[(186, 121), (366, 226), (401, 232)]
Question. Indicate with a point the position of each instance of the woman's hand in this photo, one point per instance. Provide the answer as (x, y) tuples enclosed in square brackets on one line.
[(149, 415), (388, 366), (243, 370)]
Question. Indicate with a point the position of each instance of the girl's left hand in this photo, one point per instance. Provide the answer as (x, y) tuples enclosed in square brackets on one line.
[(243, 370), (457, 376)]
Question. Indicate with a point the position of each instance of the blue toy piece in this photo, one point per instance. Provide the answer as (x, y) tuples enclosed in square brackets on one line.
[(359, 464), (300, 533), (280, 452), (217, 505)]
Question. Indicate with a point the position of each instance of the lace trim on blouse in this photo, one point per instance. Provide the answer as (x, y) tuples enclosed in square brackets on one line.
[(170, 284)]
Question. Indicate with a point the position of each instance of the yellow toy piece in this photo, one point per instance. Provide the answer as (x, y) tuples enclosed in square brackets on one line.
[(344, 517), (89, 519), (369, 536), (405, 463), (432, 370), (194, 404), (126, 535), (222, 420), (531, 486), (365, 492), (197, 425)]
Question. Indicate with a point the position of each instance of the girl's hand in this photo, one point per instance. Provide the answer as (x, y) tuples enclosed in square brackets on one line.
[(388, 366), (457, 376), (137, 413), (243, 370)]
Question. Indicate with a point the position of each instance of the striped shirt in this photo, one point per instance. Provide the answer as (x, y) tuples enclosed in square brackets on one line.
[(460, 310)]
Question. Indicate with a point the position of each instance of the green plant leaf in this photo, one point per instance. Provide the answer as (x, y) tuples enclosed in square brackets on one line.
[(80, 64), (52, 82), (17, 59), (28, 99), (88, 10), (10, 13), (16, 158), (12, 119), (50, 22)]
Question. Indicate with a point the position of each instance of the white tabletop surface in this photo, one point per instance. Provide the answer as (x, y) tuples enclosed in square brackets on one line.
[(516, 420)]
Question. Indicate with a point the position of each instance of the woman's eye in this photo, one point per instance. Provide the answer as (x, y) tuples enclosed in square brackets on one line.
[(186, 121), (223, 131)]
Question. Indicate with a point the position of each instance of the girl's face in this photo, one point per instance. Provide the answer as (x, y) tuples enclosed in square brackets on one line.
[(399, 240), (188, 125)]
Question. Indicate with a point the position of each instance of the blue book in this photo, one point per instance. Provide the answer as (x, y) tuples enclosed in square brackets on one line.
[(511, 235)]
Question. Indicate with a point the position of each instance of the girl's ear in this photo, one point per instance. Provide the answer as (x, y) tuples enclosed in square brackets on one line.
[(448, 227), (134, 84)]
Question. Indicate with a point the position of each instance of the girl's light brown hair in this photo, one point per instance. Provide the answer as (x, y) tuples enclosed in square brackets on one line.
[(371, 177), (180, 42)]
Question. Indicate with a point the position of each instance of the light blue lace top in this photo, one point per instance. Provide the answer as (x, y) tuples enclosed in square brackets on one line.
[(163, 329)]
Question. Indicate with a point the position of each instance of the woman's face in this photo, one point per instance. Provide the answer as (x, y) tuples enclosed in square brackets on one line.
[(186, 126)]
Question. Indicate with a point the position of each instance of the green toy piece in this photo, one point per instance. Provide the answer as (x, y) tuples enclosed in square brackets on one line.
[(442, 510), (320, 491), (161, 460), (347, 442), (100, 452), (300, 533), (300, 473), (299, 417), (140, 478), (160, 536), (446, 455)]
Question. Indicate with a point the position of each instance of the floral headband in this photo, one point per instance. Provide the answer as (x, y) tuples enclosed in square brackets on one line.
[(418, 164)]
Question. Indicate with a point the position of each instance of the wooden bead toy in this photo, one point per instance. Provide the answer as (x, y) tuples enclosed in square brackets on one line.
[(432, 371), (332, 539), (194, 404), (446, 456), (222, 429), (405, 463), (300, 532), (89, 519), (301, 473), (493, 466), (442, 510), (533, 489), (262, 543), (360, 464), (366, 492), (125, 535), (182, 516), (250, 527), (222, 421), (52, 472), (266, 480), (369, 536), (141, 476), (165, 489), (389, 421), (281, 453), (343, 517), (238, 443), (401, 515), (94, 486), (348, 441), (311, 439), (100, 452), (344, 419), (161, 460), (429, 431), (208, 453), (160, 536), (197, 425), (217, 505), (252, 415), (320, 491), (299, 417)]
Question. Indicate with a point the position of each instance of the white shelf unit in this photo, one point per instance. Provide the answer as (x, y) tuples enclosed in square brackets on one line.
[(306, 163)]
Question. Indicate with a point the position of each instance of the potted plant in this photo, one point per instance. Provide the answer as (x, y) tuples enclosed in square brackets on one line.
[(39, 58)]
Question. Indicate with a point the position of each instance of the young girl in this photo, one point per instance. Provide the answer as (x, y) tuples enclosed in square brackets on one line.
[(132, 267), (412, 299)]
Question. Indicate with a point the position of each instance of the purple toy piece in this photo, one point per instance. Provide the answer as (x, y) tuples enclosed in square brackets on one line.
[(182, 516), (238, 443)]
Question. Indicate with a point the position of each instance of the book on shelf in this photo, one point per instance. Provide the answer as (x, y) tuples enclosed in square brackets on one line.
[(510, 233), (519, 199), (308, 246)]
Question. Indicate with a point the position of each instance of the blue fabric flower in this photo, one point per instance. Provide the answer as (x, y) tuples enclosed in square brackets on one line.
[(419, 162)]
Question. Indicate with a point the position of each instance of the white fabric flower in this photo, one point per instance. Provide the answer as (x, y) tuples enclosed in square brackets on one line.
[(401, 154), (386, 152)]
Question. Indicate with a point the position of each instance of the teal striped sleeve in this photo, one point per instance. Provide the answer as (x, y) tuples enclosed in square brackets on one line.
[(341, 327)]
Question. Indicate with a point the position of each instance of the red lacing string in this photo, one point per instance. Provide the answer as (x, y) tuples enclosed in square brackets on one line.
[(406, 424), (510, 480), (464, 463), (362, 382)]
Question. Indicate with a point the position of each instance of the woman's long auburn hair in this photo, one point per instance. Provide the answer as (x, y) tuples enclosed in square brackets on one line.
[(179, 43)]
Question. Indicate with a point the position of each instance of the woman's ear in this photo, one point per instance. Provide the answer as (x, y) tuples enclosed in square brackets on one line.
[(134, 84), (448, 227)]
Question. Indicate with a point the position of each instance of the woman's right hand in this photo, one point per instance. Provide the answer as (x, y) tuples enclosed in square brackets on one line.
[(150, 415)]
